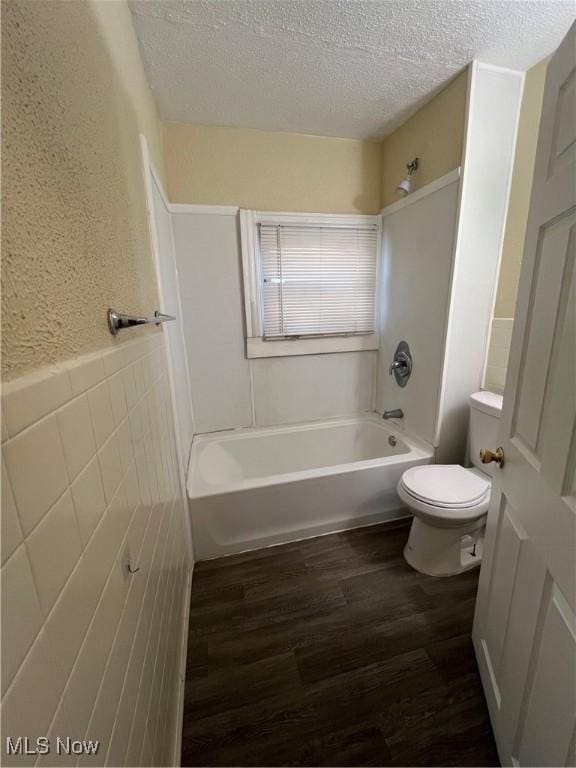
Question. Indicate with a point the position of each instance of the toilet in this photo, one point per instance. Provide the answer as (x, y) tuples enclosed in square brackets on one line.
[(449, 502)]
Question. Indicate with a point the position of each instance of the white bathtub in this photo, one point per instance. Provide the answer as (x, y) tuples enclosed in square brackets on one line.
[(251, 488)]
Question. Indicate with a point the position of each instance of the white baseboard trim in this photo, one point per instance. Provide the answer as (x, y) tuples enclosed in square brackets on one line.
[(177, 748)]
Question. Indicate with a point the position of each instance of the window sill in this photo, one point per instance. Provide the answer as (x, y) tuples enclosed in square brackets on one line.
[(257, 347)]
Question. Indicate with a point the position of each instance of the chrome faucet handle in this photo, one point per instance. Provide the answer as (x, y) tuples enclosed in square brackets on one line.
[(396, 364), (401, 365)]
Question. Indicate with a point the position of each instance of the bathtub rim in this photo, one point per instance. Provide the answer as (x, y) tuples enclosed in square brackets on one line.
[(417, 449)]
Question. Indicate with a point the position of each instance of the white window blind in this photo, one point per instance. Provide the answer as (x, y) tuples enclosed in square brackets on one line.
[(317, 280)]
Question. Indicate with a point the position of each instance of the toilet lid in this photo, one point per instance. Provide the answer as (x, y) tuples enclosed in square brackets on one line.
[(445, 485)]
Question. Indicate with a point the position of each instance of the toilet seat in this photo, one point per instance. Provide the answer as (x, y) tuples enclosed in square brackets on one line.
[(446, 485), (447, 496)]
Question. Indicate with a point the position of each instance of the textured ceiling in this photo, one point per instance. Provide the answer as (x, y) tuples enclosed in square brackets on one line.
[(351, 68)]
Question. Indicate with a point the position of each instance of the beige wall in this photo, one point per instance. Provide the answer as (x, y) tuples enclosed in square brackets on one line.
[(520, 190), (213, 165), (515, 230), (75, 235), (434, 134)]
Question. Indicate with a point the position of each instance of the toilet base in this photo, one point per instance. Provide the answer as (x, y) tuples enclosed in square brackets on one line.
[(444, 551)]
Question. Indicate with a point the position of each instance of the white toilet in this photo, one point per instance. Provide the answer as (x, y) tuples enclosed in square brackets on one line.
[(449, 502)]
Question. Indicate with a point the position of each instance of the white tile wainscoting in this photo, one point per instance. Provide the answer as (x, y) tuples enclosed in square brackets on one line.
[(498, 352), (89, 482)]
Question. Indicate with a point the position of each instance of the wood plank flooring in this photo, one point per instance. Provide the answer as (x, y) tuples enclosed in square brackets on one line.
[(332, 651)]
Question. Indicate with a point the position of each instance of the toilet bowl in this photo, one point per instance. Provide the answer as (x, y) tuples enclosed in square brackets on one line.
[(449, 502)]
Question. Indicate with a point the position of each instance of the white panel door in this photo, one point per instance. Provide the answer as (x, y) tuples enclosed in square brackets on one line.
[(525, 625)]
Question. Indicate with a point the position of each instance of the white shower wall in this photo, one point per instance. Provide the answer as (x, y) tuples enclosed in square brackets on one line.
[(417, 249), (228, 390), (310, 387)]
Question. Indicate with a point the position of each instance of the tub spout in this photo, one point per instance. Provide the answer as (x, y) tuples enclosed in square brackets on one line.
[(397, 413)]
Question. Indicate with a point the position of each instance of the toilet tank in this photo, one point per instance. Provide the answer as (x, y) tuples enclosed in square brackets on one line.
[(485, 411)]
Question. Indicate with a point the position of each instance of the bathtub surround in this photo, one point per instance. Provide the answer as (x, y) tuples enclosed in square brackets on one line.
[(228, 390), (75, 236), (414, 299), (209, 280), (89, 485), (311, 387)]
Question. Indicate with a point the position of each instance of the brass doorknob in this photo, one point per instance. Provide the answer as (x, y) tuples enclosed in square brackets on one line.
[(487, 456)]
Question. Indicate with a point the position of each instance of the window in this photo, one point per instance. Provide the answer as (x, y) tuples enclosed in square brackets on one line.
[(310, 282)]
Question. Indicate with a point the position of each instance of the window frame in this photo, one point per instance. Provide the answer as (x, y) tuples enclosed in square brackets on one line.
[(256, 345)]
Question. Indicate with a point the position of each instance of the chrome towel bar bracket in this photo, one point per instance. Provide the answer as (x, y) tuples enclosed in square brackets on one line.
[(117, 321)]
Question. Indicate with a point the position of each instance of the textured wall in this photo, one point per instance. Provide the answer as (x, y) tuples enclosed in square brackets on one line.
[(75, 234), (520, 190), (271, 171), (434, 134)]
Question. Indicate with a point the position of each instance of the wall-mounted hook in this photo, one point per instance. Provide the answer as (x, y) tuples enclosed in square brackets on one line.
[(130, 569)]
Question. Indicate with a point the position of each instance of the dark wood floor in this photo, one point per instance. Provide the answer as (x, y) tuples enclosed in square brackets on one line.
[(332, 651)]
